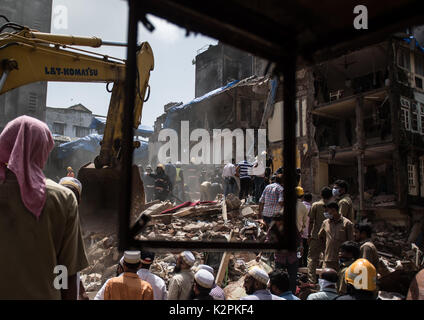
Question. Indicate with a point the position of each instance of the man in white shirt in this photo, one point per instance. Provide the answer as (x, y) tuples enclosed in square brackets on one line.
[(158, 285), (228, 174)]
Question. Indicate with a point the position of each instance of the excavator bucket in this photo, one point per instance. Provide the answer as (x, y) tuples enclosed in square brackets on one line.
[(100, 198)]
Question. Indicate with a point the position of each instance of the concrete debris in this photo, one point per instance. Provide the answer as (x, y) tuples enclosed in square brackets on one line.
[(205, 222)]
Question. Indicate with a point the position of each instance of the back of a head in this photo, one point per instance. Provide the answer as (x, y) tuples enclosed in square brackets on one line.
[(330, 275), (342, 184), (280, 279), (25, 144), (366, 228), (362, 275), (308, 197), (351, 247), (326, 193), (279, 179)]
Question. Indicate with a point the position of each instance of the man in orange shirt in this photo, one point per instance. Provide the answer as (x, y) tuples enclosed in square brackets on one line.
[(128, 286)]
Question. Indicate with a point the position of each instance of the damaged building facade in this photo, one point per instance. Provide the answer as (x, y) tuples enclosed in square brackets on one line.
[(367, 123)]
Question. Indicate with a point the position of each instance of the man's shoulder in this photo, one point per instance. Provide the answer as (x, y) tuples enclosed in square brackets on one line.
[(56, 189), (345, 199), (346, 221)]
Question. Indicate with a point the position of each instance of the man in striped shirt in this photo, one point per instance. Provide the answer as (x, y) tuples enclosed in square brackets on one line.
[(271, 201), (245, 180)]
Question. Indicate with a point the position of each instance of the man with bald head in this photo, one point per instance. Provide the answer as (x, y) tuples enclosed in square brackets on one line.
[(327, 283)]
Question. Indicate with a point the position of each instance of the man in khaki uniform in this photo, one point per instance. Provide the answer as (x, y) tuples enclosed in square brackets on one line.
[(181, 284), (344, 201), (362, 234), (334, 231), (348, 254), (316, 218)]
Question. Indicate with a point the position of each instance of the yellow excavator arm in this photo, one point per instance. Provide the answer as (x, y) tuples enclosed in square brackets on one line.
[(28, 56)]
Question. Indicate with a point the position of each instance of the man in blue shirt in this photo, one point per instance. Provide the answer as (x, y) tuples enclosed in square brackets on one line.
[(279, 284)]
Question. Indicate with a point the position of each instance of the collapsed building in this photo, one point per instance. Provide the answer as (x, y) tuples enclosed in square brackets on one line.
[(367, 123)]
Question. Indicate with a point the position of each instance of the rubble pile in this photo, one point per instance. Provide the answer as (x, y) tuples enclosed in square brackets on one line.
[(203, 222)]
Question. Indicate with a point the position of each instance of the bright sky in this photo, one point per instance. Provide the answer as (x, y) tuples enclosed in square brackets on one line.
[(172, 79)]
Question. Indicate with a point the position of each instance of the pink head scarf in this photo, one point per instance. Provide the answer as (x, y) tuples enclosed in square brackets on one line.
[(25, 145)]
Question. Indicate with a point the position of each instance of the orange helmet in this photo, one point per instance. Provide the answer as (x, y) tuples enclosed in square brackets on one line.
[(362, 275)]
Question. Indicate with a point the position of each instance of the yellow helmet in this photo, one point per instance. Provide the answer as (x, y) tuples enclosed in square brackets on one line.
[(362, 275), (299, 191), (69, 169)]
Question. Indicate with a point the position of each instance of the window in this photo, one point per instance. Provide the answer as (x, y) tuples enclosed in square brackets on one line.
[(422, 176), (404, 118), (414, 117), (412, 179), (59, 128), (32, 102), (419, 64), (297, 118), (81, 131), (304, 106), (404, 59)]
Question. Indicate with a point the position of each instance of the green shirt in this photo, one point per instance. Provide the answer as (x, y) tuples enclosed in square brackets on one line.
[(30, 248)]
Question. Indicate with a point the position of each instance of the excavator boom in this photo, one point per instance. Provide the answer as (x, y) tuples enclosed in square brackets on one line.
[(28, 56)]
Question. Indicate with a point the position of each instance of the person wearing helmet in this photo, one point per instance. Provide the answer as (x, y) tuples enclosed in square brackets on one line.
[(162, 183), (179, 182), (361, 279), (149, 184), (70, 172)]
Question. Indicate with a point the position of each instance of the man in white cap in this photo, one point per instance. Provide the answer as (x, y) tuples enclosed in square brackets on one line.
[(74, 185), (202, 286), (158, 285), (128, 286), (256, 283), (181, 284), (217, 293)]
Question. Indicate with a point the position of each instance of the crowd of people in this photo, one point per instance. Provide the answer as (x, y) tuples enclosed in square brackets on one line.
[(39, 222)]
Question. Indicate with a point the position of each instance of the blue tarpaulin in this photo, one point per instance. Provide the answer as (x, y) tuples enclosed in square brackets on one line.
[(91, 143), (212, 93), (100, 122)]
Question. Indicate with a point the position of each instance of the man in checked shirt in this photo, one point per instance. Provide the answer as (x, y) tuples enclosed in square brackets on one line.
[(271, 201)]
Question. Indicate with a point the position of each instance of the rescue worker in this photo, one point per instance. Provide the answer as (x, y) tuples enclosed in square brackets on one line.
[(181, 284), (229, 175), (348, 253), (44, 215), (70, 172), (362, 234), (202, 285), (316, 218), (361, 279), (256, 285), (171, 172), (149, 184), (335, 230), (179, 182), (157, 283), (340, 189), (162, 183), (128, 286)]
